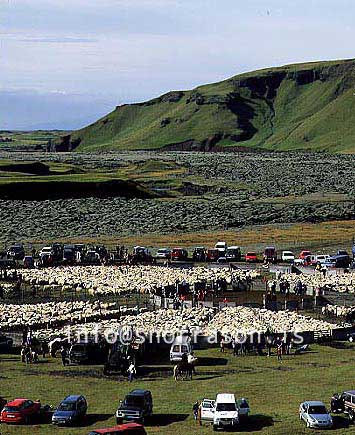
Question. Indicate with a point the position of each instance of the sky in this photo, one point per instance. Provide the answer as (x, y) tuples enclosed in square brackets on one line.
[(65, 63)]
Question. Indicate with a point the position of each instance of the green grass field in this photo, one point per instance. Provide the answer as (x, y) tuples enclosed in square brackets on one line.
[(274, 390)]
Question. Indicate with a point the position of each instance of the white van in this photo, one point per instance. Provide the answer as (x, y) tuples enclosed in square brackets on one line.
[(181, 345), (226, 414)]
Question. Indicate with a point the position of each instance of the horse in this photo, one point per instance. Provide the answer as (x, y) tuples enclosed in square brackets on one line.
[(183, 371)]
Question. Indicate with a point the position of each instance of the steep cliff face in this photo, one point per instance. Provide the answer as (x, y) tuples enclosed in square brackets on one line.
[(304, 106)]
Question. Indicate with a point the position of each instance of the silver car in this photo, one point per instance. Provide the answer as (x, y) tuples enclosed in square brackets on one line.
[(315, 415)]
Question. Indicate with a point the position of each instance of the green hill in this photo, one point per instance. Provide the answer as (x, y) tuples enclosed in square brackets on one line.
[(307, 106)]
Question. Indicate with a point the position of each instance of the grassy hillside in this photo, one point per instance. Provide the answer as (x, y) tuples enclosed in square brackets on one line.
[(295, 107)]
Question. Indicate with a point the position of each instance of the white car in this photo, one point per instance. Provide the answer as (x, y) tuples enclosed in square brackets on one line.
[(288, 257), (323, 258), (221, 247), (315, 415), (163, 253), (226, 414), (207, 410)]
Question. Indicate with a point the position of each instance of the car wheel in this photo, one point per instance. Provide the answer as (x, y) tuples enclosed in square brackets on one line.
[(214, 427), (351, 416), (119, 420)]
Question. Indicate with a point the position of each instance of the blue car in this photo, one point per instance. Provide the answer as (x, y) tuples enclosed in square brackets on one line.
[(70, 411)]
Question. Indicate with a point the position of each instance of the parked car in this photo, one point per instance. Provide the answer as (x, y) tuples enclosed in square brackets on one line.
[(179, 254), (226, 413), (221, 247), (251, 257), (163, 253), (322, 258), (28, 262), (212, 255), (233, 253), (270, 254), (342, 252), (69, 254), (91, 257), (16, 252), (136, 406), (338, 261), (122, 429), (304, 254), (20, 411), (70, 411), (182, 344), (207, 410), (5, 343), (288, 256), (87, 352), (199, 254), (315, 415), (348, 397)]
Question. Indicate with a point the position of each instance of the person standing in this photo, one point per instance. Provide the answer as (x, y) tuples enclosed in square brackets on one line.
[(195, 409), (63, 354), (131, 372)]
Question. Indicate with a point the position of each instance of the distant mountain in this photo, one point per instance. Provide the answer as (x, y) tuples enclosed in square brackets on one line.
[(307, 106)]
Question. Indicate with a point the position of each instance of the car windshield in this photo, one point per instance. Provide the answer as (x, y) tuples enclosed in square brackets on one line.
[(317, 410), (226, 407), (135, 401), (207, 404), (11, 408), (67, 406)]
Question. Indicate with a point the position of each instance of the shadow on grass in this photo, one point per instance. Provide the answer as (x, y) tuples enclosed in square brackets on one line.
[(207, 361), (340, 422), (255, 423), (165, 419), (91, 419)]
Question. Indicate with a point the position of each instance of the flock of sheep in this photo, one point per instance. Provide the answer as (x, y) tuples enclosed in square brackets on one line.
[(50, 314), (103, 280), (343, 283), (204, 321)]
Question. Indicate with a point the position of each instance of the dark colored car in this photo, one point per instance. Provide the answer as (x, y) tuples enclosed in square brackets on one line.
[(179, 254), (70, 411), (69, 254), (87, 352), (16, 252), (137, 406), (5, 343), (20, 411), (199, 254), (233, 253), (270, 254), (338, 261), (122, 429)]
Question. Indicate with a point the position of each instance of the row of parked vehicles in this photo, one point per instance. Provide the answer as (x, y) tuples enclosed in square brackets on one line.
[(306, 258), (222, 253), (72, 410)]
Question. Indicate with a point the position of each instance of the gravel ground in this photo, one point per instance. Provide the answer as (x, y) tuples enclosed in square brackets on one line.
[(253, 189)]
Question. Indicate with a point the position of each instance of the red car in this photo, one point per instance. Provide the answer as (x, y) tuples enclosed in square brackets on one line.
[(179, 254), (20, 411), (305, 254), (122, 429), (251, 257), (212, 254)]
